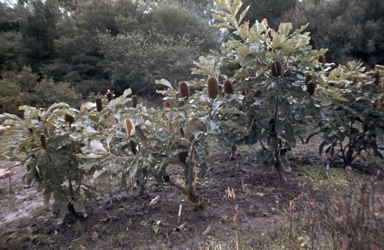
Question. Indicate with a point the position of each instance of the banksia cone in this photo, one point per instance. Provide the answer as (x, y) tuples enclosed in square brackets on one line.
[(376, 76), (213, 87), (184, 90), (184, 154), (133, 147), (321, 59), (257, 93), (277, 69), (228, 87), (182, 132), (308, 78), (69, 119), (109, 96), (129, 127), (99, 104), (376, 103), (43, 142), (167, 104), (134, 101), (311, 87)]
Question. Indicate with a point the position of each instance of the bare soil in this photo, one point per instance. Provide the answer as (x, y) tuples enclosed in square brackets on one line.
[(120, 219)]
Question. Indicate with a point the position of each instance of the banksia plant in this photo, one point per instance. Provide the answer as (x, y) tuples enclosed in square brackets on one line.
[(184, 90), (311, 87), (133, 147), (167, 104), (321, 59), (134, 101), (129, 127), (213, 87), (308, 78), (376, 76), (109, 95), (277, 69), (99, 104), (228, 87), (69, 119)]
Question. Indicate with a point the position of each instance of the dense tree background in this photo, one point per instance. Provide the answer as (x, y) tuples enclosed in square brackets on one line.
[(90, 46)]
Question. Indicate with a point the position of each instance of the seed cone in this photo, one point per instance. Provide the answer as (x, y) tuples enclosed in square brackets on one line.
[(167, 104), (308, 78), (69, 119), (184, 90), (133, 147), (184, 154), (43, 142), (321, 59), (129, 127), (99, 104), (376, 76), (228, 87), (134, 101), (109, 96), (257, 93), (277, 69), (213, 87), (311, 87)]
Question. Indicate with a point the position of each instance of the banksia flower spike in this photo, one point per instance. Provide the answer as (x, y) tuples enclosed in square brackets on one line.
[(167, 104), (213, 87), (277, 69), (134, 101), (184, 90), (228, 87), (129, 127), (133, 147), (99, 104), (376, 76), (69, 119), (109, 95), (321, 59), (311, 87)]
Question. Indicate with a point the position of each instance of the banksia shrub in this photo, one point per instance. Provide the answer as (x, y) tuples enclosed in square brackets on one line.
[(69, 119), (129, 127), (109, 96), (184, 90), (308, 78), (167, 104), (311, 87), (277, 69), (376, 76), (134, 101), (321, 59), (213, 87), (228, 87), (133, 147), (99, 104)]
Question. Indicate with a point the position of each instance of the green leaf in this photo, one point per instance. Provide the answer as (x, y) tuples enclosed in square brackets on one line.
[(164, 83)]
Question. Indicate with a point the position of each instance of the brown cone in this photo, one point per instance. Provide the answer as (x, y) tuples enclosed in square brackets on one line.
[(213, 87), (184, 90), (228, 87), (277, 69), (69, 119), (321, 59), (109, 96), (308, 78), (167, 104), (134, 101), (257, 93), (311, 87), (376, 76), (99, 104)]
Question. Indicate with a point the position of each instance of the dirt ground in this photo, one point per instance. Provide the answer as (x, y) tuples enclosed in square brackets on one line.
[(243, 202)]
